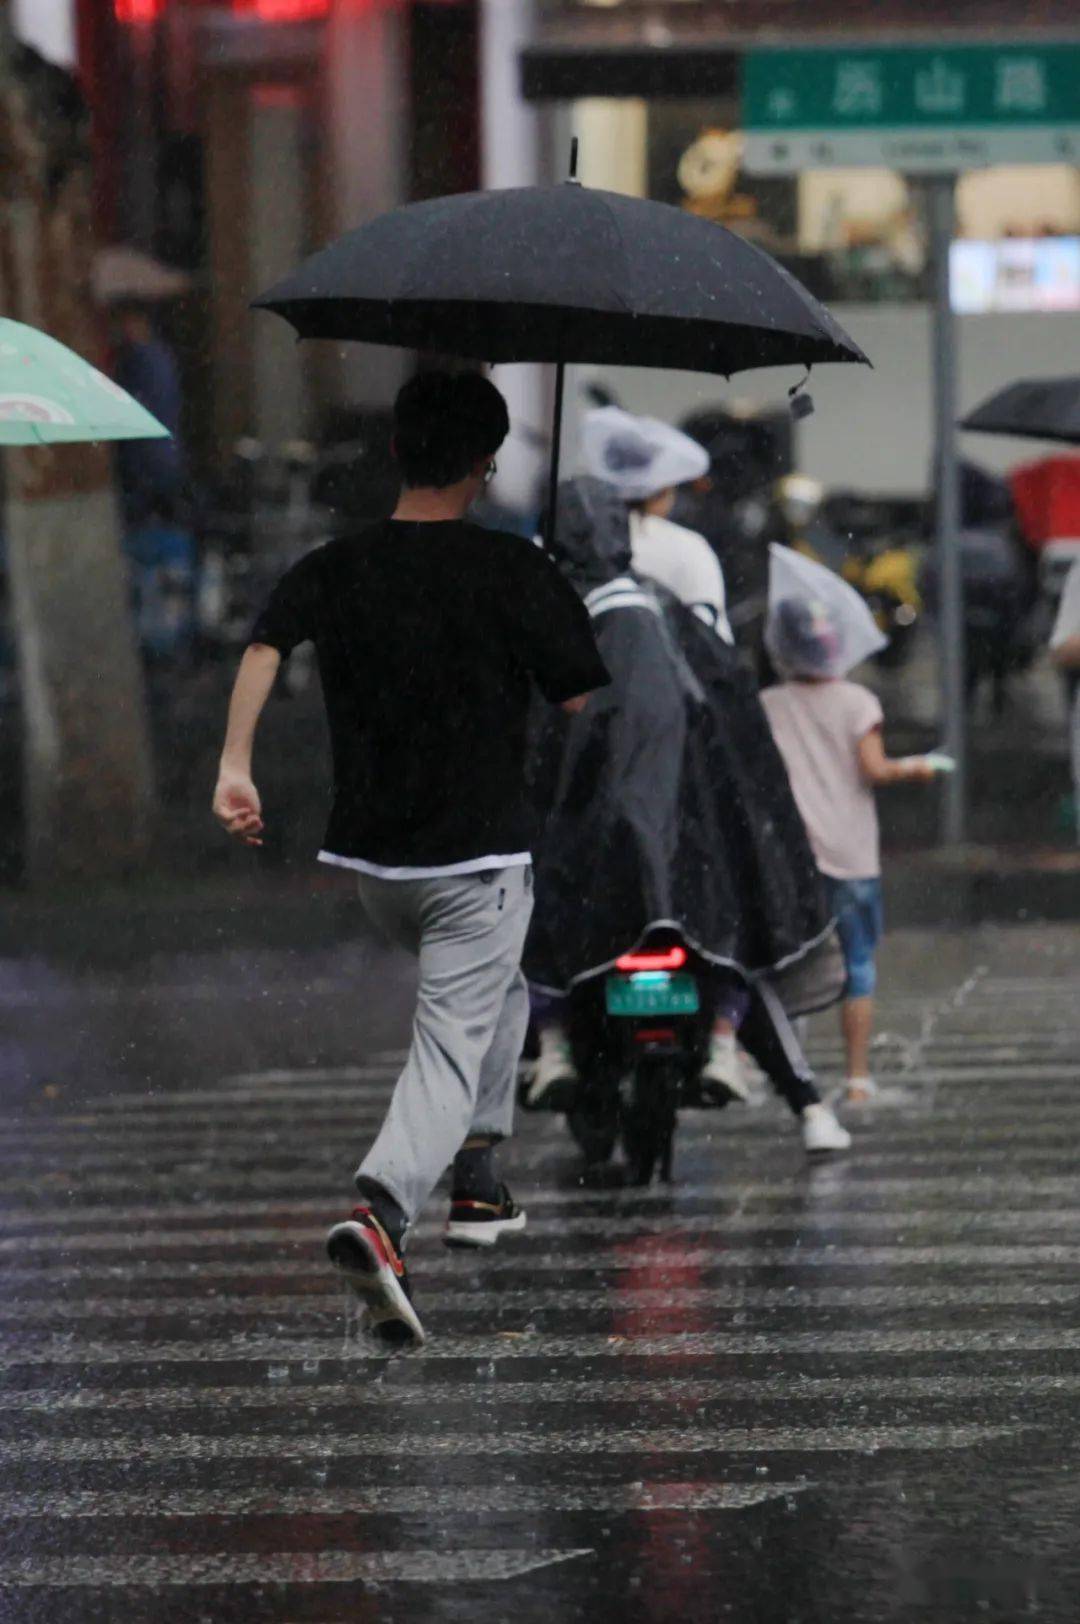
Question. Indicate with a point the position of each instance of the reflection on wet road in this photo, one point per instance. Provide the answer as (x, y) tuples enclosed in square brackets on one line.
[(769, 1393)]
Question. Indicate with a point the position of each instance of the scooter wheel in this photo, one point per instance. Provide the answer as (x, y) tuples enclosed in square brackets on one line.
[(596, 1135), (648, 1126)]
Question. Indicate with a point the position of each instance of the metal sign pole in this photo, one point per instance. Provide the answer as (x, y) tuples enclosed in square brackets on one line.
[(941, 189)]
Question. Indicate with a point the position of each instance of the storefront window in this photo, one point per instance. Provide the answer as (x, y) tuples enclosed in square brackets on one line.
[(853, 235)]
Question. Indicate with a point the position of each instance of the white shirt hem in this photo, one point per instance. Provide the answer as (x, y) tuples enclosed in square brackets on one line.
[(440, 871)]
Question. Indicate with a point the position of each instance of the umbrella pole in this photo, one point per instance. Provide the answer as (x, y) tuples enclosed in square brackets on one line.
[(556, 442), (560, 380)]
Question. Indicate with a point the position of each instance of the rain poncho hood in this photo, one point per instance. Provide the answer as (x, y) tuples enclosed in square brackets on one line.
[(817, 625), (666, 801), (592, 539)]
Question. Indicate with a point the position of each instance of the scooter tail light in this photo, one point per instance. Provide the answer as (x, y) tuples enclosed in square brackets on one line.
[(671, 958)]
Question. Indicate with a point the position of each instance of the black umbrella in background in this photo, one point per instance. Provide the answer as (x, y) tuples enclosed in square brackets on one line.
[(562, 274), (1032, 409)]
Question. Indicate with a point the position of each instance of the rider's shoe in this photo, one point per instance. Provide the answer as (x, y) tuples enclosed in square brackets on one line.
[(720, 1079), (821, 1131), (555, 1072)]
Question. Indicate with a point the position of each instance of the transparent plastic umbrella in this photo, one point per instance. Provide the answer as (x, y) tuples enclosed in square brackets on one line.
[(817, 625), (49, 395)]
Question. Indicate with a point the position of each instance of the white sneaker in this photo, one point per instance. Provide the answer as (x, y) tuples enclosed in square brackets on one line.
[(822, 1132), (857, 1090), (555, 1066), (721, 1076)]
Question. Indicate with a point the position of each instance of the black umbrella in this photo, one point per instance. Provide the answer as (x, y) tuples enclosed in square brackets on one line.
[(560, 273), (1033, 409)]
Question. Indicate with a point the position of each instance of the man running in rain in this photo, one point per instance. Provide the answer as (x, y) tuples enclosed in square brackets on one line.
[(430, 635)]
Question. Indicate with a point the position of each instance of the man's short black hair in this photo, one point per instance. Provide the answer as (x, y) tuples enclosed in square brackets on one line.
[(444, 424)]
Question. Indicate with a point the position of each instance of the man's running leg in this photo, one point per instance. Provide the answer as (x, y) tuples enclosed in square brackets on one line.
[(470, 931), (481, 1207)]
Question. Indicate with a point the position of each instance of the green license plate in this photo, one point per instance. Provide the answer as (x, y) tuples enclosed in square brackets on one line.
[(654, 993)]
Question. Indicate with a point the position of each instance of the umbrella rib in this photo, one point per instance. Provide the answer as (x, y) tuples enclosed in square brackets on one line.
[(613, 217)]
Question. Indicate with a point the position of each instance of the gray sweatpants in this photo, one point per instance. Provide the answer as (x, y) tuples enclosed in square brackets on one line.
[(472, 1009)]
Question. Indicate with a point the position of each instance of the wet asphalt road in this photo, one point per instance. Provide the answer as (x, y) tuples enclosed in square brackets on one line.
[(769, 1393)]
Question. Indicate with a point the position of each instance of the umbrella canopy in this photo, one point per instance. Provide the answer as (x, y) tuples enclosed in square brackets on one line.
[(1033, 409), (49, 395), (560, 273)]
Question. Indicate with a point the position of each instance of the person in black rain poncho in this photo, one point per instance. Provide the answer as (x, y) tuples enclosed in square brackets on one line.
[(667, 801)]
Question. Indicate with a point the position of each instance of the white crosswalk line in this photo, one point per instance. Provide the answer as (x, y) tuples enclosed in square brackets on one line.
[(662, 1391), (683, 1225), (414, 1501), (499, 1346), (583, 1440), (989, 1258), (436, 1567), (468, 1298)]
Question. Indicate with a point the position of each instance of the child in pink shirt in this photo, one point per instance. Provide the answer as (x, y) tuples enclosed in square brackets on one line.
[(828, 731)]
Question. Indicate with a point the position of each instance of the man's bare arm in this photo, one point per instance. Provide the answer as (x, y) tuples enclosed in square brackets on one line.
[(236, 800)]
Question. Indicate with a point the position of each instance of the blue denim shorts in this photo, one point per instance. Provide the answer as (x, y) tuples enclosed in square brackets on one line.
[(860, 920)]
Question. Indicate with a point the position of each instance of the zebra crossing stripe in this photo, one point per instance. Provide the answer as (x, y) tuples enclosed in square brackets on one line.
[(682, 1390), (920, 1104), (862, 1167), (106, 1144), (987, 1259), (507, 1345), (283, 1108), (462, 1298), (374, 1081), (583, 1440), (691, 1225), (910, 1189), (388, 1500), (158, 1571), (26, 1171)]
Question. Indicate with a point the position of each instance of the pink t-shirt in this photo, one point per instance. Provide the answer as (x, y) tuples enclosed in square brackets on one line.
[(817, 727)]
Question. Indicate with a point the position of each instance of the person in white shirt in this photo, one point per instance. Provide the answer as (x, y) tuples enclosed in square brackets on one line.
[(647, 460)]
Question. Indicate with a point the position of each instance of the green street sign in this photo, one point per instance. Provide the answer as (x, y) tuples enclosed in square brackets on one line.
[(923, 109)]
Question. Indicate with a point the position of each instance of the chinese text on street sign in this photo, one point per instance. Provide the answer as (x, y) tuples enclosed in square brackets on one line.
[(914, 108)]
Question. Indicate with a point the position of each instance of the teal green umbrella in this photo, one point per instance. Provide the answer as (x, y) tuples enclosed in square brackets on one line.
[(50, 395)]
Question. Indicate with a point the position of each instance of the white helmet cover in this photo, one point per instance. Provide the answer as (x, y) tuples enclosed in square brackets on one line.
[(640, 456)]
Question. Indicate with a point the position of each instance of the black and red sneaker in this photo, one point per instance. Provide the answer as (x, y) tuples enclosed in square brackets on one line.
[(366, 1257), (480, 1223)]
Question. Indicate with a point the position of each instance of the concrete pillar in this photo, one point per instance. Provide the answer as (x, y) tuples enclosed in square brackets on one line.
[(510, 156), (367, 112), (613, 137), (277, 223)]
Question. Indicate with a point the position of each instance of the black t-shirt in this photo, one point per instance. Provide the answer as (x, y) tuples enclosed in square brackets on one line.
[(428, 637)]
